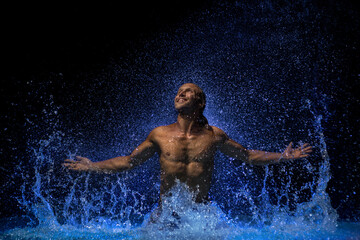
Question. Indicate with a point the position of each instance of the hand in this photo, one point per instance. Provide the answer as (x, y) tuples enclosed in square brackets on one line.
[(80, 164), (295, 153)]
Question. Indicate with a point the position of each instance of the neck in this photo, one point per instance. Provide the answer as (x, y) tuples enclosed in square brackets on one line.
[(188, 123)]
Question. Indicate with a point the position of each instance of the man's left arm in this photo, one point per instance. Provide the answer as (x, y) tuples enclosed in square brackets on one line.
[(257, 157)]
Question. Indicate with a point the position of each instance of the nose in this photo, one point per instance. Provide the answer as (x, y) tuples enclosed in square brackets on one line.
[(182, 94)]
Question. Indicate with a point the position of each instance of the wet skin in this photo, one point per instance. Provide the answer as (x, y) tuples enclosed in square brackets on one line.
[(186, 149), (188, 158)]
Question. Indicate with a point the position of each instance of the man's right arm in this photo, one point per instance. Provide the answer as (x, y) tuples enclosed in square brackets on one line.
[(142, 153)]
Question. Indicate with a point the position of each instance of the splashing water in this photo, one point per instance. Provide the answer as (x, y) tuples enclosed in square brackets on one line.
[(182, 218), (249, 96), (112, 210)]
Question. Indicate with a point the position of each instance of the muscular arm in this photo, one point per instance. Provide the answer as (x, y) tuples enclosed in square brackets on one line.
[(257, 157), (142, 153)]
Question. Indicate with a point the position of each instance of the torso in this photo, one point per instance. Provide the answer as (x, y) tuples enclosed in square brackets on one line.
[(187, 158)]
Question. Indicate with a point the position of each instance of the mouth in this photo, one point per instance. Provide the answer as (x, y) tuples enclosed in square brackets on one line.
[(181, 100)]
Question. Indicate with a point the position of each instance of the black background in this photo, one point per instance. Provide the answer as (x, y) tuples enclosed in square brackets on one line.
[(73, 39), (42, 40)]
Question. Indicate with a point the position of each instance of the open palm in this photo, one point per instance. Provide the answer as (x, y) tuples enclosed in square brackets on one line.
[(299, 152), (80, 164)]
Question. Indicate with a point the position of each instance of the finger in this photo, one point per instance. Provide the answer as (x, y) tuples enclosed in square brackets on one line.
[(290, 145), (70, 166), (81, 158), (307, 150), (307, 147), (69, 161), (302, 148)]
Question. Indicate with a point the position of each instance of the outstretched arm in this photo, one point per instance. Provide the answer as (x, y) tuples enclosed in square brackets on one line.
[(257, 157), (142, 153)]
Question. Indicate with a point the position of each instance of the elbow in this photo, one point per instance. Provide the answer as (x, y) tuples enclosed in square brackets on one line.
[(255, 159), (122, 165), (126, 165), (250, 157), (261, 160)]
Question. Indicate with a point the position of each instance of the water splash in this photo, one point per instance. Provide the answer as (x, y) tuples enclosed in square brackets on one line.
[(319, 210), (257, 66), (115, 210), (182, 218)]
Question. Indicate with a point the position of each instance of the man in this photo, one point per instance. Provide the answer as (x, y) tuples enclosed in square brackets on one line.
[(186, 149)]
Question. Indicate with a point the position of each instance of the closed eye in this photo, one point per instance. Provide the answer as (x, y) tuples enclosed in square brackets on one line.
[(185, 90)]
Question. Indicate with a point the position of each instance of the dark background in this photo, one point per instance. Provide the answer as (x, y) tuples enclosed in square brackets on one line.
[(42, 40)]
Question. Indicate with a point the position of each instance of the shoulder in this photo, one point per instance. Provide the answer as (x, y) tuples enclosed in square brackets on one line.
[(219, 133), (159, 131), (218, 130)]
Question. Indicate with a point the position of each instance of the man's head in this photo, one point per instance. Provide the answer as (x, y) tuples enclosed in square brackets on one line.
[(190, 98)]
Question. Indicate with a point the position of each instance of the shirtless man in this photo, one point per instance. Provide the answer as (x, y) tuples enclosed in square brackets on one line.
[(187, 148)]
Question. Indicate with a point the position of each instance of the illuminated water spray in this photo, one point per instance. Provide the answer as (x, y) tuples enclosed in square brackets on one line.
[(255, 64), (319, 210), (116, 209)]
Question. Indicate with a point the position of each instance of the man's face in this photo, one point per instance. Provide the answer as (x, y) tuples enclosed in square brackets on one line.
[(186, 97)]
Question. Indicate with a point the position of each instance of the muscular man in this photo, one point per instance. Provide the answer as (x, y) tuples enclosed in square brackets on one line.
[(187, 148)]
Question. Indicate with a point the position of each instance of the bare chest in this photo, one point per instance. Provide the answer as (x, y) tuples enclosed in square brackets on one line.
[(186, 149)]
